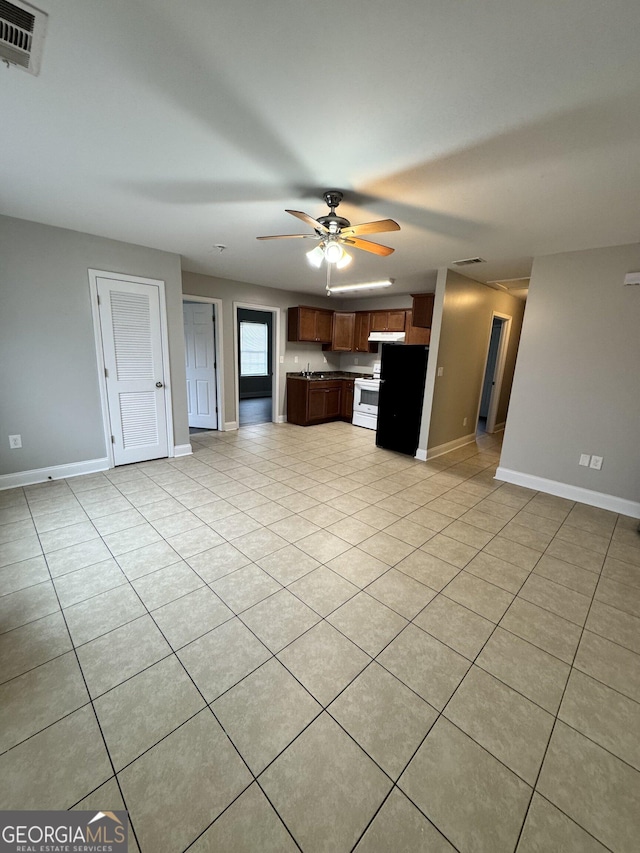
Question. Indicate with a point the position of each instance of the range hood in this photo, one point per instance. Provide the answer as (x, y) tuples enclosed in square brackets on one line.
[(387, 337)]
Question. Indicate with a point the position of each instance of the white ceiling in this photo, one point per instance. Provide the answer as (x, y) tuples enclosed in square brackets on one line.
[(500, 128)]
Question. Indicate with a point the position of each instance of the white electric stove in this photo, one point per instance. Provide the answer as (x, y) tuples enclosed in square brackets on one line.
[(365, 400)]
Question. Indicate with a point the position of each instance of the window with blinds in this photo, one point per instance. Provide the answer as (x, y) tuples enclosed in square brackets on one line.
[(253, 349)]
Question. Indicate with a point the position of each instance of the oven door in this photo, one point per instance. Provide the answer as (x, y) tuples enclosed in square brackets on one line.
[(365, 396)]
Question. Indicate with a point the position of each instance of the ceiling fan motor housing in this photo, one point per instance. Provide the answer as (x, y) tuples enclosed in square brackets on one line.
[(339, 221), (332, 199)]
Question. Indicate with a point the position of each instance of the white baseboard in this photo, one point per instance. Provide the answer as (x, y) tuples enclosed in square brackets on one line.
[(230, 425), (572, 493), (182, 450), (281, 419), (54, 472), (498, 428), (421, 455), (441, 449)]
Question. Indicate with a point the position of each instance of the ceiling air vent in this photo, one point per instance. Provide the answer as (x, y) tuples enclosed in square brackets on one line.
[(22, 29), (466, 261)]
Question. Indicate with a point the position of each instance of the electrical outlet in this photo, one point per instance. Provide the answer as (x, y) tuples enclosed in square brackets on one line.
[(15, 442), (464, 422), (584, 460), (596, 462), (440, 371), (281, 359), (295, 359)]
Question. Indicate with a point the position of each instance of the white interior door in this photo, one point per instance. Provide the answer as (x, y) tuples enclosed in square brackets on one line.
[(501, 357), (135, 378), (200, 364)]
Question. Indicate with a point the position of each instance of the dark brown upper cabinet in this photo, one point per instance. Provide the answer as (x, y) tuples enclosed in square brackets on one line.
[(361, 334), (423, 309), (343, 331), (387, 321), (309, 324)]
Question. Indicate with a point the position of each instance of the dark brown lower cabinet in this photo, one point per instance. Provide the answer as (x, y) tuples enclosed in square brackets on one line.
[(323, 400), (316, 400), (346, 406)]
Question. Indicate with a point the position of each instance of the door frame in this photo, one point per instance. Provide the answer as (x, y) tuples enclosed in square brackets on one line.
[(501, 358), (217, 350), (275, 357), (94, 275)]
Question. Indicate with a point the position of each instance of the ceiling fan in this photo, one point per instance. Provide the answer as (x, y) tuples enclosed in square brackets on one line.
[(334, 232)]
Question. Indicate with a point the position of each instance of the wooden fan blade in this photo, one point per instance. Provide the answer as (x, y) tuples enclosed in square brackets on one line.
[(287, 236), (317, 226), (367, 246), (371, 228)]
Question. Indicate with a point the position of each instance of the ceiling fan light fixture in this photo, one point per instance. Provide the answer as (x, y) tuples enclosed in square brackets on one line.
[(344, 261), (316, 257), (333, 232), (333, 252)]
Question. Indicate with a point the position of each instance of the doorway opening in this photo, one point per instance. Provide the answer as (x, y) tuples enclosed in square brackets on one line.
[(488, 408), (254, 335), (202, 347)]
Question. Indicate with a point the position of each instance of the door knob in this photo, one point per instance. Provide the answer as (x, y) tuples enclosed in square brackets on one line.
[(158, 384)]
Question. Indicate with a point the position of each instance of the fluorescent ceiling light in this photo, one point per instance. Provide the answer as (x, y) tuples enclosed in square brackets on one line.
[(367, 285)]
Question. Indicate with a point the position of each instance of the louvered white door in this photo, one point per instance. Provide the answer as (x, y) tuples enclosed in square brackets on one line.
[(132, 347), (199, 347)]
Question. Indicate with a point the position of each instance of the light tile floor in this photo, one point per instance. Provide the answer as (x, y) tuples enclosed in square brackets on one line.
[(296, 640)]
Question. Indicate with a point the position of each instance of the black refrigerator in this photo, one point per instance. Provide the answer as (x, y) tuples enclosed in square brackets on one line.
[(403, 372)]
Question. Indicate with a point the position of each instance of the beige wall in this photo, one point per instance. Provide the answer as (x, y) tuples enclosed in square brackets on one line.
[(462, 353), (577, 383), (49, 391)]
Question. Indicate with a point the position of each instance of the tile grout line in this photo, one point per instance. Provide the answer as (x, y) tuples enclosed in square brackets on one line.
[(237, 615), (556, 718), (207, 706), (95, 715)]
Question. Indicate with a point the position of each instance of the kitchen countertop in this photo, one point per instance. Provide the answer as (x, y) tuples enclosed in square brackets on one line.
[(329, 374)]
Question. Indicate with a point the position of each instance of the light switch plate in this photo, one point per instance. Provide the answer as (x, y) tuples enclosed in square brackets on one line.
[(596, 462), (584, 459)]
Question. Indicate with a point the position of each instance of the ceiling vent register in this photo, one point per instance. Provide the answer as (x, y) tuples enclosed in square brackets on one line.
[(22, 29), (466, 261)]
